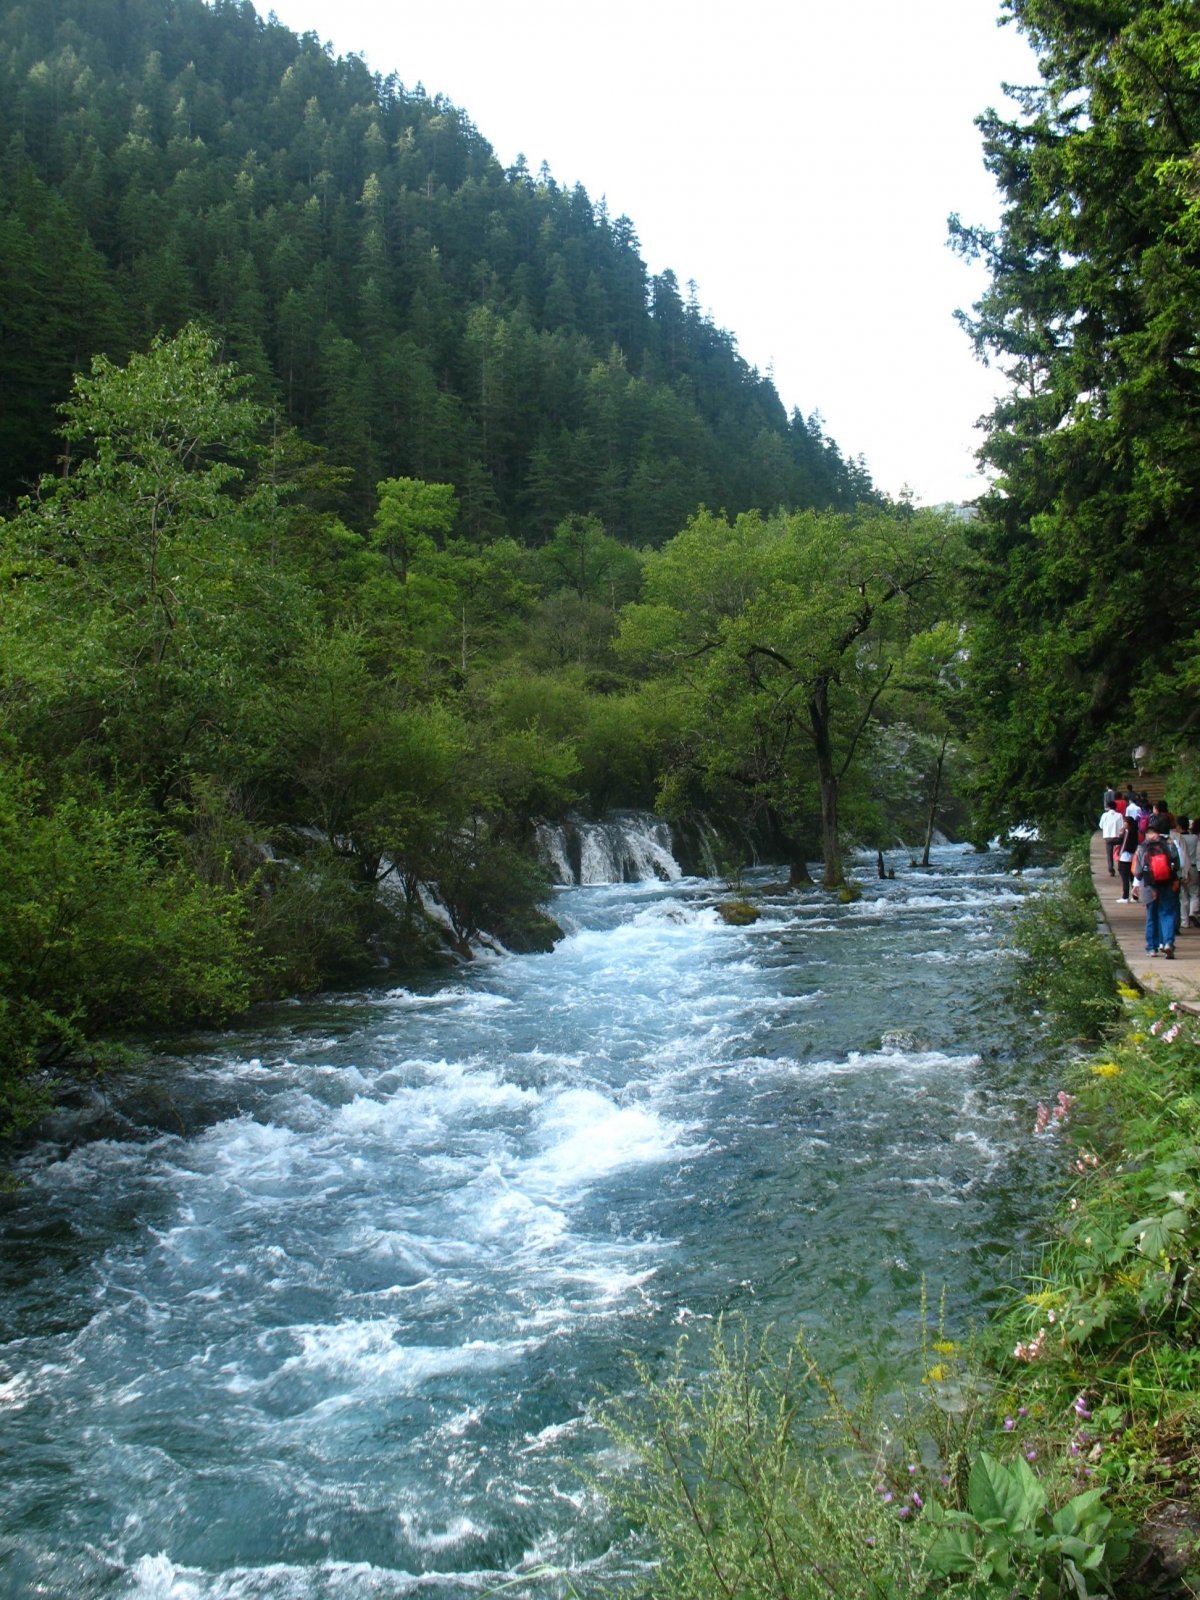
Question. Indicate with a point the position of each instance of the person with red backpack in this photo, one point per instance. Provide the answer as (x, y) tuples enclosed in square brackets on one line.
[(1158, 868)]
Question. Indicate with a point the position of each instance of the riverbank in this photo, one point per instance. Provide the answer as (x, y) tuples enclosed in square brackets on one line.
[(1058, 1456), (1097, 1359)]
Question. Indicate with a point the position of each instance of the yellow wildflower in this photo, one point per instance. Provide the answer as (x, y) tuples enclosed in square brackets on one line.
[(1106, 1069), (1127, 993), (1137, 1038), (936, 1374), (945, 1347)]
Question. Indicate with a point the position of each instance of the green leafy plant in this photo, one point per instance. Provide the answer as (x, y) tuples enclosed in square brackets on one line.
[(1008, 1542), (756, 1477), (1063, 966)]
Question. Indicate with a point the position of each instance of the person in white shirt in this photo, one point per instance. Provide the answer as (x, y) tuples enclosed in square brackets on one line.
[(1112, 826), (1188, 845)]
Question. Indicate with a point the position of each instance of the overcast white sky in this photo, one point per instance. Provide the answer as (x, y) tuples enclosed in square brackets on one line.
[(797, 158)]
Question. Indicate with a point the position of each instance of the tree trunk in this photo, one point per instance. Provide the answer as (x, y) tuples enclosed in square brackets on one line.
[(933, 804), (818, 710), (788, 850)]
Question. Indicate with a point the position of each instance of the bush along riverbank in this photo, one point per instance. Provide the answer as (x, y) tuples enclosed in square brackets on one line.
[(1058, 1455)]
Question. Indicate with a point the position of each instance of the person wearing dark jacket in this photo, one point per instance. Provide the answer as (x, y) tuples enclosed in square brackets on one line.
[(1126, 852)]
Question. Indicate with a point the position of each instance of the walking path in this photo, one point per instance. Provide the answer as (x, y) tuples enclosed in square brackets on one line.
[(1179, 978)]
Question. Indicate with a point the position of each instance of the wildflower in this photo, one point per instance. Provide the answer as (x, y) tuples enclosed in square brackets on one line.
[(916, 1500), (945, 1347), (1032, 1350), (1081, 1409), (1126, 992), (911, 1469), (1155, 1026), (1031, 1455), (1074, 1205), (1106, 1069), (936, 1374), (903, 1511), (1022, 1411), (1009, 1424), (1173, 1032), (1052, 1316), (1073, 1447), (1042, 1120), (871, 1540), (1137, 1038)]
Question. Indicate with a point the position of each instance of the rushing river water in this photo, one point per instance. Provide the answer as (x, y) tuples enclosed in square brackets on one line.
[(326, 1322)]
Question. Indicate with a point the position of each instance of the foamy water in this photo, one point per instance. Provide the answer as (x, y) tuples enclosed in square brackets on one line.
[(326, 1318)]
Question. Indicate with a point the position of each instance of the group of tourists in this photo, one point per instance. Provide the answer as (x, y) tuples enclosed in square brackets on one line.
[(1156, 855)]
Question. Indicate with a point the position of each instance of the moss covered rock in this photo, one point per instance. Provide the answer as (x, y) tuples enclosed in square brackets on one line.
[(738, 913)]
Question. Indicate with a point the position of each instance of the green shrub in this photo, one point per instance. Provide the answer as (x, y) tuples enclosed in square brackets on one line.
[(1064, 964), (102, 931), (755, 1481)]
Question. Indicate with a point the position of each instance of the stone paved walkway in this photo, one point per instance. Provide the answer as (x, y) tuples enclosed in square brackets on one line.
[(1179, 978)]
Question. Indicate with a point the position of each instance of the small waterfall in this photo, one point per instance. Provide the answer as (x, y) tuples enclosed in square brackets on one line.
[(624, 847), (552, 848)]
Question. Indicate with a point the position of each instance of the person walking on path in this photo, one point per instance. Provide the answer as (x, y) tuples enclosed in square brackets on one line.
[(1112, 826), (1188, 845), (1126, 852), (1158, 869)]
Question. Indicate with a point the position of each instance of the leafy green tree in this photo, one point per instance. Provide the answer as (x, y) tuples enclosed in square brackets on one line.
[(412, 519), (139, 613), (786, 633), (1092, 312), (582, 557), (103, 929)]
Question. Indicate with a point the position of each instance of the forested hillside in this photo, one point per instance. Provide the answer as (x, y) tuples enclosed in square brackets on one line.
[(337, 461), (400, 298)]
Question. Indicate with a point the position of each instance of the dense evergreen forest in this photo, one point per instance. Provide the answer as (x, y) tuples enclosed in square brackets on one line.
[(368, 503), (395, 294)]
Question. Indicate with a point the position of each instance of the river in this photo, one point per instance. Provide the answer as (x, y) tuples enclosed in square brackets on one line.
[(323, 1313)]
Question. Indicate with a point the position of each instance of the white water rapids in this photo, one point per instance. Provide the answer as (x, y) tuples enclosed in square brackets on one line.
[(321, 1311)]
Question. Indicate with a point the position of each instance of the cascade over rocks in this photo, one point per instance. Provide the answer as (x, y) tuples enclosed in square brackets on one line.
[(622, 847)]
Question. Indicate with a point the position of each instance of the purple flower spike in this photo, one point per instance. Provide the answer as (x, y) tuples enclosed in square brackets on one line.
[(917, 1501)]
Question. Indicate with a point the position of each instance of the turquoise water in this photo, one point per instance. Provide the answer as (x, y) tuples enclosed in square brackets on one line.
[(322, 1317)]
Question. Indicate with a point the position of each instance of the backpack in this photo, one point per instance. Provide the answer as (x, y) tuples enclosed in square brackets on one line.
[(1160, 868)]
